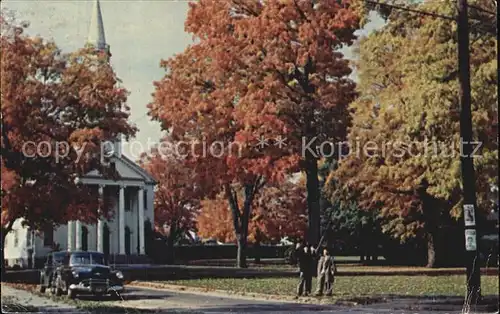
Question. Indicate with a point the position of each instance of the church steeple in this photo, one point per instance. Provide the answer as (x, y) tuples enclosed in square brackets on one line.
[(96, 31), (97, 39)]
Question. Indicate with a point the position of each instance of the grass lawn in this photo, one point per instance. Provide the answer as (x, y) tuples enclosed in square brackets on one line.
[(363, 268), (350, 287)]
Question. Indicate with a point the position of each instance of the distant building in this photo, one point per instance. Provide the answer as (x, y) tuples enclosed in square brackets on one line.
[(133, 194)]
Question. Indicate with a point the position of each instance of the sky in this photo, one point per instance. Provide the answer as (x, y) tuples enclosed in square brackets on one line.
[(140, 33)]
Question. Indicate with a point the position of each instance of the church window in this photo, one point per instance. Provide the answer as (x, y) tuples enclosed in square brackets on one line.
[(128, 202), (145, 199), (48, 236), (28, 238), (128, 234), (16, 238), (85, 239)]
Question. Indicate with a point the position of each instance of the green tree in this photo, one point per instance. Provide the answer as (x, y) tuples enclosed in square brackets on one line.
[(406, 124)]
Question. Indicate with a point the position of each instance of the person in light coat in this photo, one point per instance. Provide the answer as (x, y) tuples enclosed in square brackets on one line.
[(326, 274)]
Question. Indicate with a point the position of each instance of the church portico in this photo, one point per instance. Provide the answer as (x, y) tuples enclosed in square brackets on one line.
[(124, 230)]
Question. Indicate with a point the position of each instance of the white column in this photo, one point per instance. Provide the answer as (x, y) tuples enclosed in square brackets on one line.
[(78, 235), (71, 231), (121, 220), (140, 195), (33, 247), (100, 224)]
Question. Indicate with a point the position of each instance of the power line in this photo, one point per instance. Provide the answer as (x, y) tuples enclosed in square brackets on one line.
[(490, 28), (411, 10)]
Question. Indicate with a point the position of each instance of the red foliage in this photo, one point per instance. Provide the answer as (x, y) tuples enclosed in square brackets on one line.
[(65, 104), (260, 69), (177, 195)]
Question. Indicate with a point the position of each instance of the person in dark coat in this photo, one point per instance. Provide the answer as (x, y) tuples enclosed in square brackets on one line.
[(305, 259)]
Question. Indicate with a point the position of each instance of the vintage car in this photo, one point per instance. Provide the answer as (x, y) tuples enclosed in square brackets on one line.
[(80, 272)]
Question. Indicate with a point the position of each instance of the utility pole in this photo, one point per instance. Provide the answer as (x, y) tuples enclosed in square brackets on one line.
[(467, 160)]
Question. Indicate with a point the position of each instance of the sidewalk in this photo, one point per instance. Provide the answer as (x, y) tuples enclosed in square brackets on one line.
[(16, 300)]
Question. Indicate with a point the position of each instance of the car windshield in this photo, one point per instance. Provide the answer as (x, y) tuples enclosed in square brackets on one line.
[(59, 257), (86, 259)]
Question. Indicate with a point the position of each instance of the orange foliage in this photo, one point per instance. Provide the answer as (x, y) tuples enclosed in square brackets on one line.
[(277, 212), (260, 69), (177, 196), (49, 98)]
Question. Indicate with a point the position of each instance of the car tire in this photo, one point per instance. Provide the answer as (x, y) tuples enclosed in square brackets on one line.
[(42, 286), (99, 296), (115, 295), (71, 293), (58, 287)]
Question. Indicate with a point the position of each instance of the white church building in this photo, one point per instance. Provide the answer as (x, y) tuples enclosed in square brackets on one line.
[(122, 237)]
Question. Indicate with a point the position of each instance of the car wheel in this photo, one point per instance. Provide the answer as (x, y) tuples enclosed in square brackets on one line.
[(71, 293), (99, 295), (42, 286), (115, 295), (58, 285), (52, 286)]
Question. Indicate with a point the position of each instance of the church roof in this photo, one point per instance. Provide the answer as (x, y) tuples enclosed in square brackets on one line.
[(126, 170), (148, 178)]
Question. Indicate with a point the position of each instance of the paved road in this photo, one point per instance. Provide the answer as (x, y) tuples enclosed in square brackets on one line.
[(182, 301), (162, 299), (165, 301)]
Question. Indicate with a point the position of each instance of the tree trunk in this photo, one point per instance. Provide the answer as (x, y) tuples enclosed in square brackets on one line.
[(241, 257), (5, 231), (241, 218), (170, 257), (257, 250), (313, 197), (431, 250), (430, 214)]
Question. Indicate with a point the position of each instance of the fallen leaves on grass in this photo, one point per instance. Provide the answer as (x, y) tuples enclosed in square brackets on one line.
[(349, 287)]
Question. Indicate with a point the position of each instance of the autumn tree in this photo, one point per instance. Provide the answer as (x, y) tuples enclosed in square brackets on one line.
[(261, 71), (177, 195), (406, 124), (278, 211), (65, 105)]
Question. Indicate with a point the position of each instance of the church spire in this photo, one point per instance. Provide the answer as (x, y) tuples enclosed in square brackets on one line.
[(98, 40), (96, 31)]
